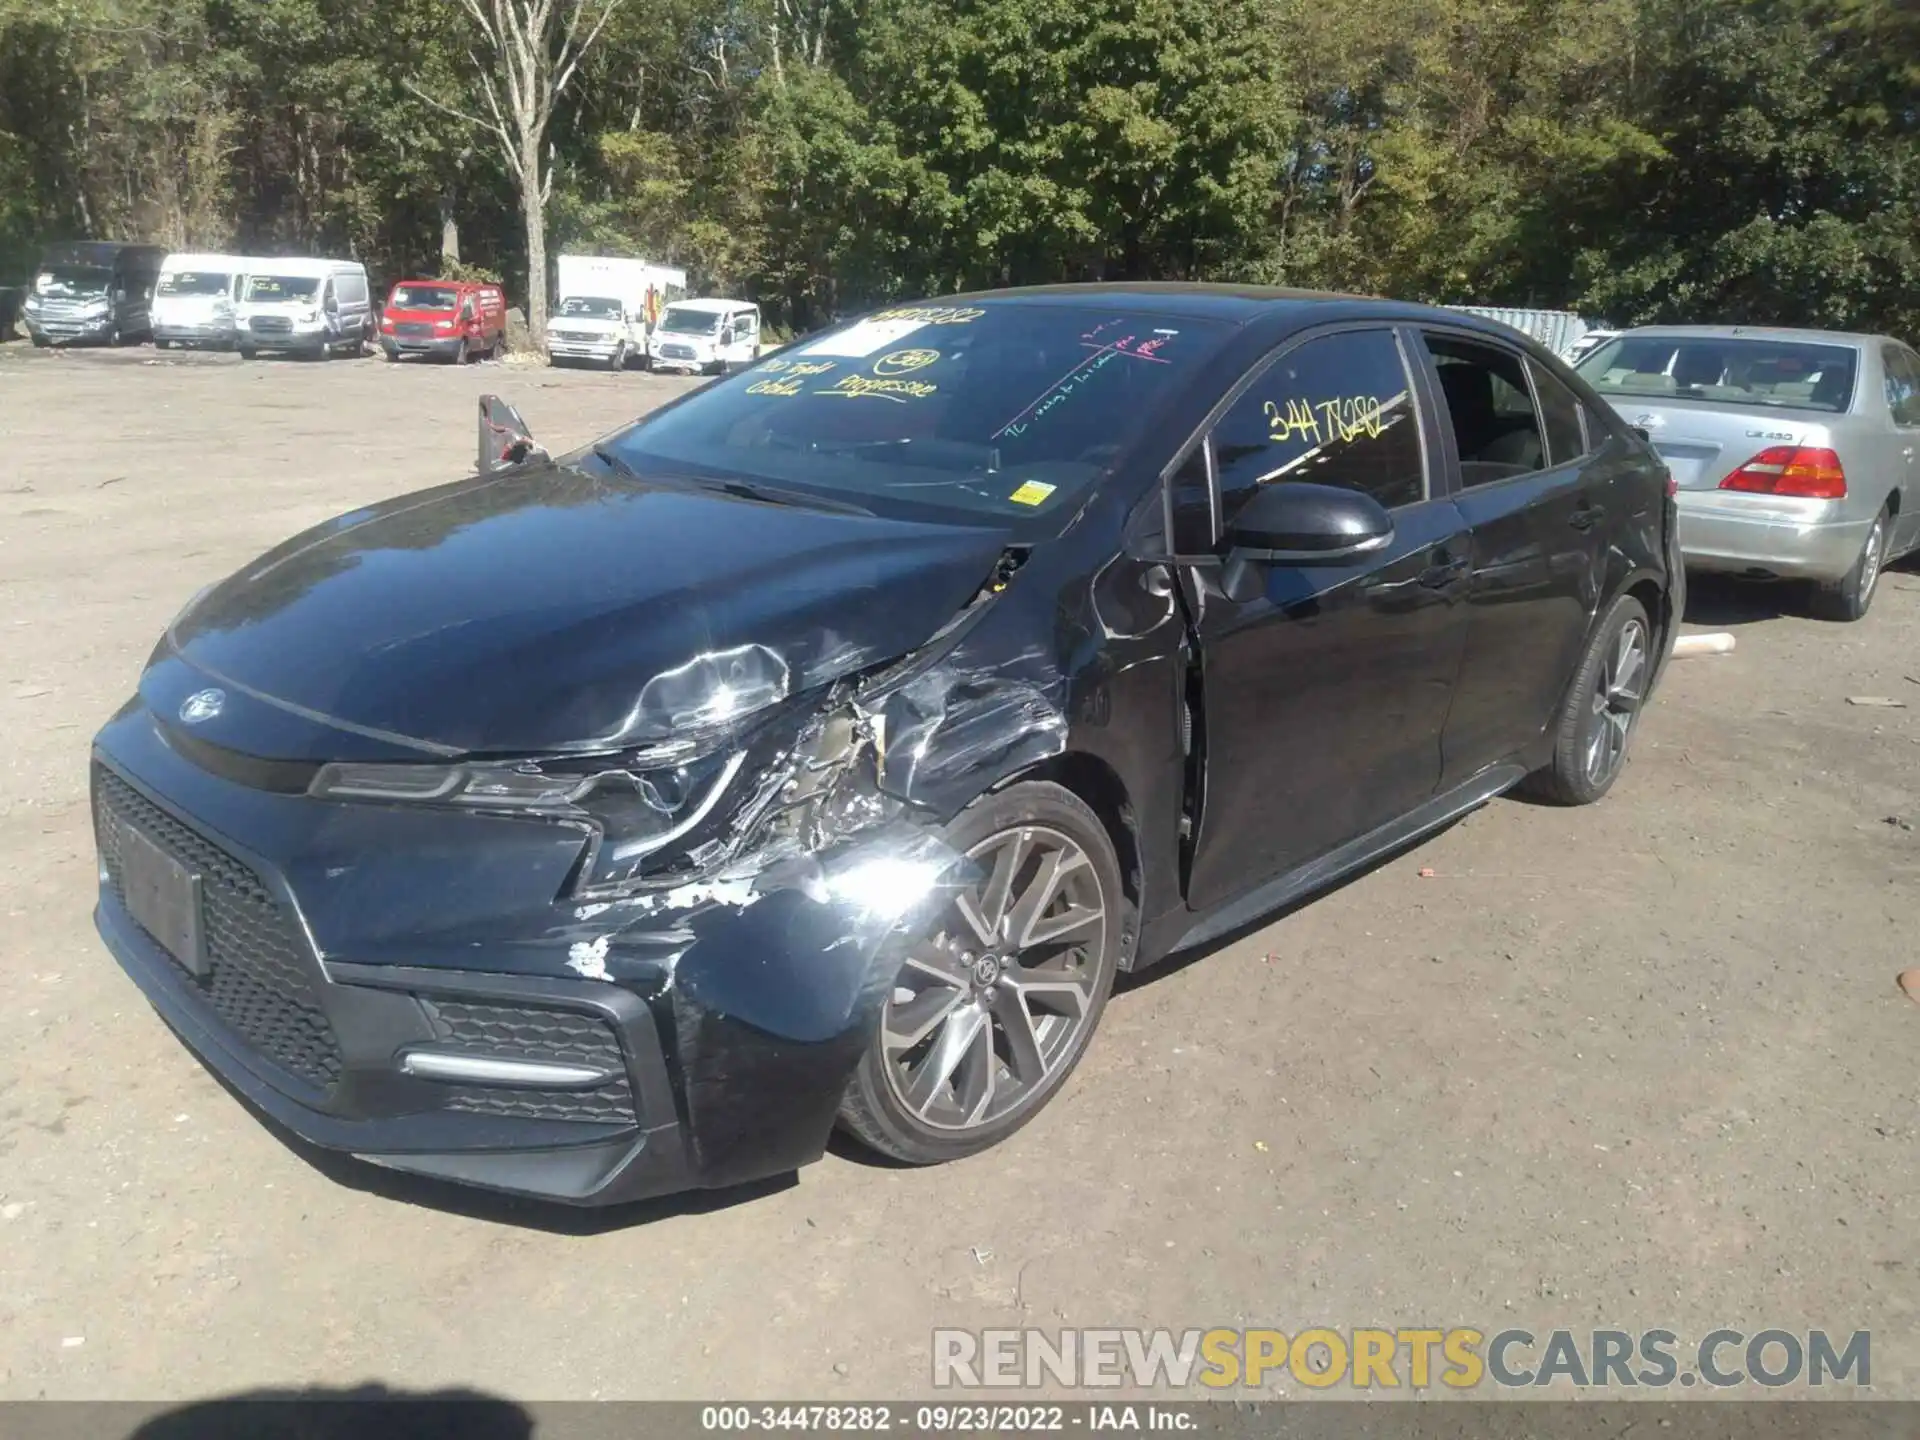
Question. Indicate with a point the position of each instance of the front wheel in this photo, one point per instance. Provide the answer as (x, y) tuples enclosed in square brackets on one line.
[(1602, 705), (247, 352), (995, 1002), (1850, 597), (618, 360)]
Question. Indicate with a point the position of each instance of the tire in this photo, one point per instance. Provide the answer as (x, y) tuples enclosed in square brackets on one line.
[(247, 352), (40, 342), (1602, 706), (617, 361), (462, 355), (956, 1087), (1851, 596), (159, 344)]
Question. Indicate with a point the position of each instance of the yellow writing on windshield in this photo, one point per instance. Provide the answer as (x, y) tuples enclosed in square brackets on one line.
[(879, 387), (933, 314), (1346, 418), (789, 382)]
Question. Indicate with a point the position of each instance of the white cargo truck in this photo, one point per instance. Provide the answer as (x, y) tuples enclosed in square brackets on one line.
[(607, 306)]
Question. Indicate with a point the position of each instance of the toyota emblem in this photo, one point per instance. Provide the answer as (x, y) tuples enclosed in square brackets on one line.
[(202, 706)]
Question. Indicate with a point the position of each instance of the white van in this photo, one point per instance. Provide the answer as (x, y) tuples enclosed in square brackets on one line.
[(705, 337), (195, 299), (606, 305), (313, 306)]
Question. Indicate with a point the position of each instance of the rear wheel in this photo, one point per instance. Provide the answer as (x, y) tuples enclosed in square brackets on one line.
[(247, 352), (996, 1000), (1849, 597), (1590, 742)]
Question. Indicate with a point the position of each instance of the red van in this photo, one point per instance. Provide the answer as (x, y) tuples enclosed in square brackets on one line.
[(452, 319)]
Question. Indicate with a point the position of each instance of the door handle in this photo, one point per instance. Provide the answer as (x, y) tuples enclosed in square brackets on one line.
[(1585, 515), (1445, 569)]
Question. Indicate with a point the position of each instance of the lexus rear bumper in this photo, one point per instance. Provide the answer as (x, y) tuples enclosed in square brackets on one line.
[(1769, 538)]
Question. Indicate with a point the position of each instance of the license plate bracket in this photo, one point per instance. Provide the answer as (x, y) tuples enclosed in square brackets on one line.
[(163, 897)]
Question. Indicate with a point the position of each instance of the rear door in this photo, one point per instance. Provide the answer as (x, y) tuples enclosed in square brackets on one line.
[(1325, 693), (1903, 403), (1539, 516)]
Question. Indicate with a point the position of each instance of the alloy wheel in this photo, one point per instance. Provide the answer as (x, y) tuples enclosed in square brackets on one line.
[(1870, 561), (1617, 692), (1000, 996)]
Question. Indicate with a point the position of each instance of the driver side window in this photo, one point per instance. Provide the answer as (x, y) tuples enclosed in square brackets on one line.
[(1338, 411)]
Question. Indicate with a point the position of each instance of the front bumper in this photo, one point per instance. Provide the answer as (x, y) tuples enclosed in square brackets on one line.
[(1769, 537), (305, 341), (439, 347), (68, 331), (344, 939), (600, 350), (177, 333)]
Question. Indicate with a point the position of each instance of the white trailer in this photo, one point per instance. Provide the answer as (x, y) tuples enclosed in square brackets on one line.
[(607, 306)]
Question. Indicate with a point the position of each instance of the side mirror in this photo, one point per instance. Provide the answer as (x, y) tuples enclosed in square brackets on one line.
[(1301, 524), (503, 441)]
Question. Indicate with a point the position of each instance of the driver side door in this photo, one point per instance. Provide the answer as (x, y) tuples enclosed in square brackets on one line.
[(1325, 688)]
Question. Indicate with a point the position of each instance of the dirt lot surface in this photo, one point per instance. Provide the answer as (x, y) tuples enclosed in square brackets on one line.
[(1642, 1065)]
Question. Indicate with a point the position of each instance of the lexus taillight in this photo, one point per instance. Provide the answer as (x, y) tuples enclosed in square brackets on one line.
[(1791, 470)]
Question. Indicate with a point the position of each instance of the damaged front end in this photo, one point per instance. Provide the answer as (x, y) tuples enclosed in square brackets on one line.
[(723, 897)]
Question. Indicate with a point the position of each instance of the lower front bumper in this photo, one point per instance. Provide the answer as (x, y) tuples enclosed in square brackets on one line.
[(437, 349), (70, 332), (378, 1116), (1795, 540), (194, 335)]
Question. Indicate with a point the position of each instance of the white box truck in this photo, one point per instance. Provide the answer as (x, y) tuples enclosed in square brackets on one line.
[(607, 305)]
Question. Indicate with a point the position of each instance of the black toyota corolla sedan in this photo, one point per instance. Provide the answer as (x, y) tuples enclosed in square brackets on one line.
[(817, 749)]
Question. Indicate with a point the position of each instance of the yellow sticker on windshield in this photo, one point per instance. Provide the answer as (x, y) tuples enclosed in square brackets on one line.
[(1032, 492)]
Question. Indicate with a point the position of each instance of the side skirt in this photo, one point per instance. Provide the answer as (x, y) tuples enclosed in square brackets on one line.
[(1354, 855)]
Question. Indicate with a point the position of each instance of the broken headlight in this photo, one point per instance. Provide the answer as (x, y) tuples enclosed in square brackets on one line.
[(645, 815)]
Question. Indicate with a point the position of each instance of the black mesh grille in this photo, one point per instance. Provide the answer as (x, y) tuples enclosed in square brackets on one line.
[(514, 1032), (271, 325), (260, 981)]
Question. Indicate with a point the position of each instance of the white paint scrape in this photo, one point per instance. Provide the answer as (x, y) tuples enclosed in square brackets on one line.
[(589, 958)]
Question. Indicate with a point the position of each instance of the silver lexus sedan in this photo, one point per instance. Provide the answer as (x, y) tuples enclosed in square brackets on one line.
[(1796, 452)]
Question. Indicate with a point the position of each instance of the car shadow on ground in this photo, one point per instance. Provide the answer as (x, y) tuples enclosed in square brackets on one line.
[(1181, 959), (1717, 600), (498, 1207), (369, 1412)]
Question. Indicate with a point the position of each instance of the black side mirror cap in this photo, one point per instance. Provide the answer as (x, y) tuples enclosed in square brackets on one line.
[(503, 441), (1306, 524)]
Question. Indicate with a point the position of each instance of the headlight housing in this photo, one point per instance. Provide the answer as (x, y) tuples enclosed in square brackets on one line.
[(644, 815)]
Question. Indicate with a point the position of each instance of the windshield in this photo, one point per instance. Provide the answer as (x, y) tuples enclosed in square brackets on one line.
[(690, 322), (73, 280), (193, 282), (592, 307), (1003, 409), (423, 297), (1778, 374), (282, 287)]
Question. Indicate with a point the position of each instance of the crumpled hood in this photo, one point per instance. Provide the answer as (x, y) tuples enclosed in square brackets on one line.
[(526, 611)]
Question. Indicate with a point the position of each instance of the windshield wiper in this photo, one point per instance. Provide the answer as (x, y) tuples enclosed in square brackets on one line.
[(740, 489), (772, 495)]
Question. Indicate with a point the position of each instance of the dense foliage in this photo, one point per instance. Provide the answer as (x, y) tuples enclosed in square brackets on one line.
[(1753, 160)]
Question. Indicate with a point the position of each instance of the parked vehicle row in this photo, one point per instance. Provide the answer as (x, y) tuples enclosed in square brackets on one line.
[(612, 311)]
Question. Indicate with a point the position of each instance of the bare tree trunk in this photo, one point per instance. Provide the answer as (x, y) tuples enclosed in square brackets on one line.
[(533, 208), (449, 232)]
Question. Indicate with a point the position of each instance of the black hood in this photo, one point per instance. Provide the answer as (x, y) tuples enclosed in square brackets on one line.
[(526, 611)]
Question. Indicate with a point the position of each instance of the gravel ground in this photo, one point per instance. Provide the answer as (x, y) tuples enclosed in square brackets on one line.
[(1641, 1065)]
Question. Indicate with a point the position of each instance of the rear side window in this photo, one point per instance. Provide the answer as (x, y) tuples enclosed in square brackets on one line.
[(1903, 385), (1560, 413), (1334, 411), (1489, 407)]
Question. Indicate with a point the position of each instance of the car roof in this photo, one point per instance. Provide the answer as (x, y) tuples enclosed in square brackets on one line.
[(1236, 304), (450, 284), (1760, 332), (709, 302), (302, 265), (195, 260)]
